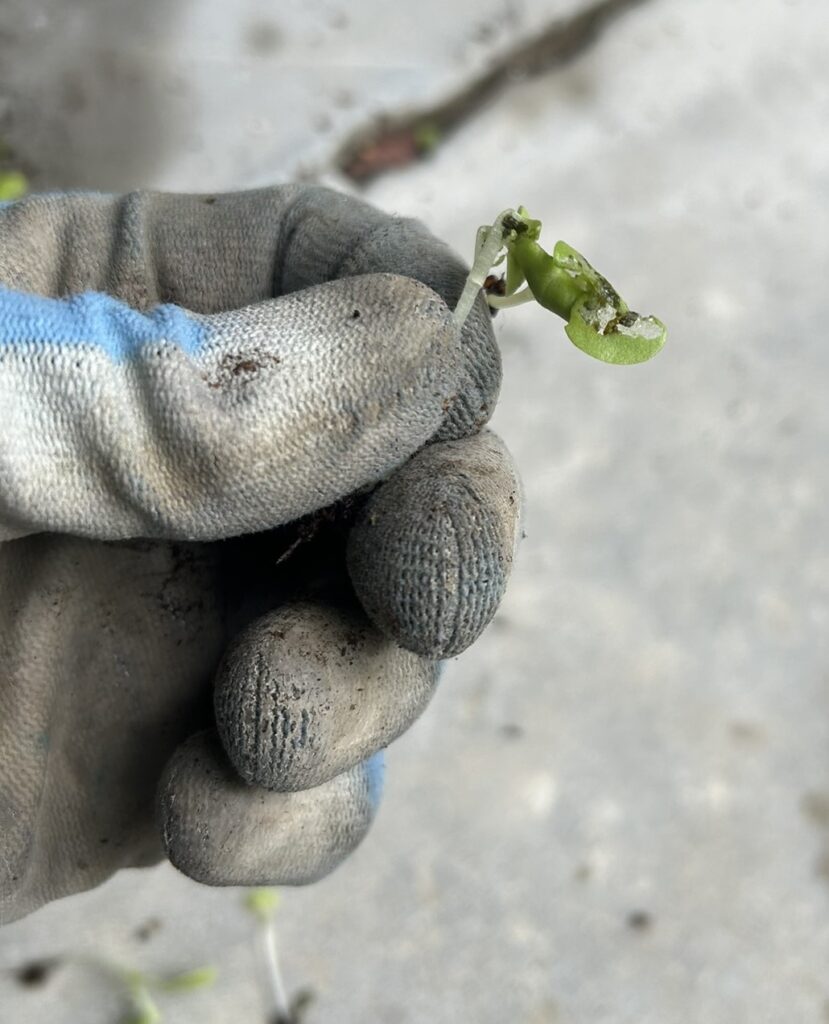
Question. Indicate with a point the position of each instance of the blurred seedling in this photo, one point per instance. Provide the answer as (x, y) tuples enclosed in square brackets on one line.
[(13, 185), (139, 989), (263, 903), (598, 320)]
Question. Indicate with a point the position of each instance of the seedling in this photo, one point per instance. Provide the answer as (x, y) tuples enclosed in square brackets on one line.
[(598, 320), (262, 903), (138, 988), (13, 185)]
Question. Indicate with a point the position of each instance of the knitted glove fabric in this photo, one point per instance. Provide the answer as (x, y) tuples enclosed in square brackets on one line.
[(185, 383)]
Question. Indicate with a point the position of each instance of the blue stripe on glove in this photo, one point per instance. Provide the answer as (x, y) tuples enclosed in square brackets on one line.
[(95, 319), (172, 423), (375, 772)]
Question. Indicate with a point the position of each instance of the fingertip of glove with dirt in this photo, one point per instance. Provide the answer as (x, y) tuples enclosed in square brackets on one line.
[(221, 831), (333, 235), (307, 692), (433, 547)]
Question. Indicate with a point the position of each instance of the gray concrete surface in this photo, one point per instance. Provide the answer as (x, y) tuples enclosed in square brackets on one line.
[(616, 810), (115, 94)]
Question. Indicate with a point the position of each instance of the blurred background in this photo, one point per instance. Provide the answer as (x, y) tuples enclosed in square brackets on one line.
[(616, 810)]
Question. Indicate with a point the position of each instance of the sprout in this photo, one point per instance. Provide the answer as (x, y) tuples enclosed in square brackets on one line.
[(598, 320), (262, 903), (13, 185), (138, 986)]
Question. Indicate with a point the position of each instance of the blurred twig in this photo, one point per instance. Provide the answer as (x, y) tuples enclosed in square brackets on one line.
[(398, 140)]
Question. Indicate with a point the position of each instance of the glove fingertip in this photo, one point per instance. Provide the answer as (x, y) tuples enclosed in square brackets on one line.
[(219, 831), (433, 548), (308, 691)]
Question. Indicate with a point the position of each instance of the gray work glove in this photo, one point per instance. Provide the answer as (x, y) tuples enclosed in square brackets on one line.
[(245, 508)]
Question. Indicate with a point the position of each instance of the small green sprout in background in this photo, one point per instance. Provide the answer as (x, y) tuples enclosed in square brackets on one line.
[(139, 987), (13, 185), (426, 136), (598, 320), (262, 903), (13, 182)]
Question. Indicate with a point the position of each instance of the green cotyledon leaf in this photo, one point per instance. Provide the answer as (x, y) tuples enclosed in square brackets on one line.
[(600, 322), (621, 338)]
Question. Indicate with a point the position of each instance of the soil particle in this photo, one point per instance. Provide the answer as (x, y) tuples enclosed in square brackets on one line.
[(639, 921), (36, 972)]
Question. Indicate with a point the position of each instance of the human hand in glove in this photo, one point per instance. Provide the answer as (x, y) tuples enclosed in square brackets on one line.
[(199, 396)]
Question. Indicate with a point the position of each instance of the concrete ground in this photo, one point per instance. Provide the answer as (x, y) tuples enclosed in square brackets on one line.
[(616, 810)]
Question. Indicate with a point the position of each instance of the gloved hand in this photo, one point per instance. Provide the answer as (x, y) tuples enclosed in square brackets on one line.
[(198, 398)]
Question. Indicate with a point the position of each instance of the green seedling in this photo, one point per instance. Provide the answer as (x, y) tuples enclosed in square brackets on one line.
[(138, 988), (13, 185), (598, 320), (262, 904)]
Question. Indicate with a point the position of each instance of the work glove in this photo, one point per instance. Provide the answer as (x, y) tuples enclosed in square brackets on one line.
[(246, 507)]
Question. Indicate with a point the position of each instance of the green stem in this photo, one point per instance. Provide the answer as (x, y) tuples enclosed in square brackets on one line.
[(144, 1007), (555, 287)]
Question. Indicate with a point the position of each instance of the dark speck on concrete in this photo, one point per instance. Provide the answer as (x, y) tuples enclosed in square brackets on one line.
[(145, 931), (822, 867), (263, 38), (36, 972), (747, 733), (815, 807), (639, 920)]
